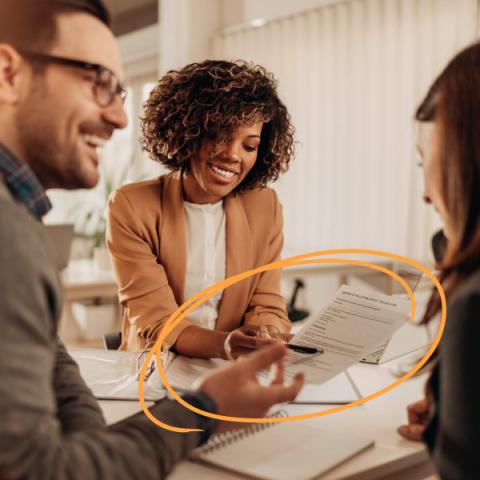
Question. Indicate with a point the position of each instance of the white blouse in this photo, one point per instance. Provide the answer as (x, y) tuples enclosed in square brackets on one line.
[(205, 257)]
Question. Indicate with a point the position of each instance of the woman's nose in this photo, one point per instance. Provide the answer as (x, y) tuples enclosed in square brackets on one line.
[(230, 152)]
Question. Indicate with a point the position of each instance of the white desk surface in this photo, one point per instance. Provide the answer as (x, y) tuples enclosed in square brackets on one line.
[(392, 457), (81, 280)]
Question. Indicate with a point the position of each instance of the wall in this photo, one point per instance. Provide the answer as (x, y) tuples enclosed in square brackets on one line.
[(279, 8), (351, 74), (238, 12), (187, 29)]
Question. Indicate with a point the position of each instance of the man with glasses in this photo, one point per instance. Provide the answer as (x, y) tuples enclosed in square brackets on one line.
[(106, 84), (61, 99)]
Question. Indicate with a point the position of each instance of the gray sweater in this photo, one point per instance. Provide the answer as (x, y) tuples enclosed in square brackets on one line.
[(50, 424)]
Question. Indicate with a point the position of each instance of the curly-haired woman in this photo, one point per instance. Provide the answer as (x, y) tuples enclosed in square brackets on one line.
[(222, 131)]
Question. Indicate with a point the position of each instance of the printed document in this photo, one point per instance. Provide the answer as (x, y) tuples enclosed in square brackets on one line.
[(347, 329)]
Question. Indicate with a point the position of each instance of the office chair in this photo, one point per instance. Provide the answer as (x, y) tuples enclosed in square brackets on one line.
[(296, 314), (112, 340)]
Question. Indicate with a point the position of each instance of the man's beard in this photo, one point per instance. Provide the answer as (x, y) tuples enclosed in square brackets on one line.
[(57, 164)]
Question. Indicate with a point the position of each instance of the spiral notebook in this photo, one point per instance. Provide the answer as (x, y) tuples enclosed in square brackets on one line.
[(280, 451)]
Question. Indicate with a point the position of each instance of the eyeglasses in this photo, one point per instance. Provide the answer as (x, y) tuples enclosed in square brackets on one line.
[(106, 85)]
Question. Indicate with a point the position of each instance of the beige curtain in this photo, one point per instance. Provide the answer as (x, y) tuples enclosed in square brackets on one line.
[(351, 75)]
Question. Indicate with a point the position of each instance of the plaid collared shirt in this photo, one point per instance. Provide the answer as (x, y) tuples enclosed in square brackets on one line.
[(23, 184)]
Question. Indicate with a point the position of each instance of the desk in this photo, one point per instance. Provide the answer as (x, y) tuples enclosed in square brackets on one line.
[(392, 457), (83, 281)]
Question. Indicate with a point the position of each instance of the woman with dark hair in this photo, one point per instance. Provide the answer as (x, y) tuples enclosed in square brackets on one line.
[(448, 419), (222, 131)]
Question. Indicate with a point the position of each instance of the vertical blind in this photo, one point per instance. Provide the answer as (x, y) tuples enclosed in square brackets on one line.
[(351, 75)]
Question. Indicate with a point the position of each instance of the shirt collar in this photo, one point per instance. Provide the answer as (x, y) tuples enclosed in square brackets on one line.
[(23, 183)]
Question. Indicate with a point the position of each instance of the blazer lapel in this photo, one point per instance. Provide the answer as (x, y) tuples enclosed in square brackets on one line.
[(173, 243)]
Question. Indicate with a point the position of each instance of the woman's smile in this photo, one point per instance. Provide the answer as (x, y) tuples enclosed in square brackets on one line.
[(219, 167), (224, 174)]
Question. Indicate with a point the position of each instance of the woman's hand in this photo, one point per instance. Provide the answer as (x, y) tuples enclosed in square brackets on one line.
[(417, 419), (269, 331), (246, 339)]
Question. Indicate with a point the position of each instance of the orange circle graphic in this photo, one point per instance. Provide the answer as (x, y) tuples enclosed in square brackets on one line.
[(304, 259)]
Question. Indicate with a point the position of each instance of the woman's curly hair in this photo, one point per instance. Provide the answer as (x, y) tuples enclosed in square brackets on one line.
[(210, 100)]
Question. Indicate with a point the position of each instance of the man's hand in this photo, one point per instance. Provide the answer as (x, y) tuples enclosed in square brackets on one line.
[(237, 392), (417, 419)]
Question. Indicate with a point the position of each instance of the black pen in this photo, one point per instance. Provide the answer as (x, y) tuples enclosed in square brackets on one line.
[(302, 349)]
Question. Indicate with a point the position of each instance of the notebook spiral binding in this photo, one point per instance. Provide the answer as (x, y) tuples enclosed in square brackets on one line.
[(224, 439)]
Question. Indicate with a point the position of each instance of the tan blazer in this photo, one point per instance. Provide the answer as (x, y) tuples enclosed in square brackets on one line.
[(147, 242)]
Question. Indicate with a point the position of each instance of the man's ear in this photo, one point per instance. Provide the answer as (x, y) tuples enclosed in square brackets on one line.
[(10, 74)]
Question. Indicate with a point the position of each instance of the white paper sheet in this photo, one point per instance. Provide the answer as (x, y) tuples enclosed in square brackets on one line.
[(339, 390), (111, 374), (186, 372), (347, 329)]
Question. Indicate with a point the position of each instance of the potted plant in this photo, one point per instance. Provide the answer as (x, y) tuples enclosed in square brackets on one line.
[(90, 215), (97, 316)]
